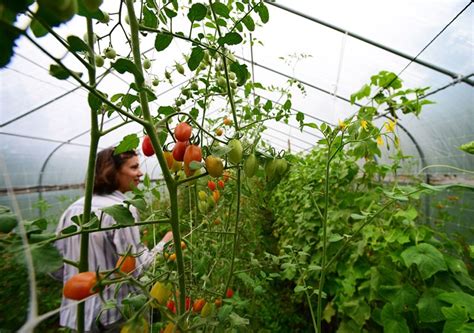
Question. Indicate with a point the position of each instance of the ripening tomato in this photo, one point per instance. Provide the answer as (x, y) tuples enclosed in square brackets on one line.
[(211, 185), (179, 150), (147, 148), (206, 310), (226, 176), (220, 183), (160, 292), (219, 131), (227, 121), (169, 159), (218, 302), (198, 304), (214, 166), (183, 245), (80, 286), (183, 131), (229, 293), (216, 195), (172, 257), (169, 328), (192, 153), (217, 221), (136, 325), (126, 264)]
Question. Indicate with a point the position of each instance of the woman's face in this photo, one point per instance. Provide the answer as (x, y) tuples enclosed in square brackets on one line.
[(129, 174)]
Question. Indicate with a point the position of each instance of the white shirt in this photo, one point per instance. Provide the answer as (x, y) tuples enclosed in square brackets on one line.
[(104, 250)]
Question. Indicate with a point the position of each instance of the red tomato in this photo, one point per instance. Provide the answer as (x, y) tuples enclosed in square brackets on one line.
[(183, 131), (188, 303), (147, 148), (229, 293), (211, 185), (220, 183), (192, 153), (80, 286), (170, 305), (179, 150)]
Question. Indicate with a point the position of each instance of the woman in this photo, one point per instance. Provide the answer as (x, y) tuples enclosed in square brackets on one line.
[(114, 175)]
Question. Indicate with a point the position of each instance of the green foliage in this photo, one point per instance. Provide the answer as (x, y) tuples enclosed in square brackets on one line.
[(390, 274)]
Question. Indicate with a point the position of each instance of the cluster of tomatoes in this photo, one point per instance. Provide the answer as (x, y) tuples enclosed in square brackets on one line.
[(183, 153), (163, 295), (85, 284)]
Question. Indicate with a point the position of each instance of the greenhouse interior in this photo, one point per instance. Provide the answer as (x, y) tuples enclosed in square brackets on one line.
[(237, 166)]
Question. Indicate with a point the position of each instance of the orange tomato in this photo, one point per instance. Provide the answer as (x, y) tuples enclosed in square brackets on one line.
[(80, 286), (198, 304), (126, 264)]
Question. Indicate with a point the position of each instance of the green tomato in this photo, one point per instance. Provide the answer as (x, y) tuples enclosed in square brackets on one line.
[(147, 64), (235, 153), (270, 169), (251, 165), (110, 53), (99, 61), (280, 166), (180, 69), (155, 82), (221, 82)]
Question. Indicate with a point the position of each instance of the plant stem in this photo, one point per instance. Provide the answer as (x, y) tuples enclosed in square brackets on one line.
[(325, 220), (94, 143), (236, 232), (170, 183)]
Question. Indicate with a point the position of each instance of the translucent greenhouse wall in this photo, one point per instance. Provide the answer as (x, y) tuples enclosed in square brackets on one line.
[(53, 133)]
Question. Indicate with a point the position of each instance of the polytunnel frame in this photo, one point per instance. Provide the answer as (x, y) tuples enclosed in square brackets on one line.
[(457, 78)]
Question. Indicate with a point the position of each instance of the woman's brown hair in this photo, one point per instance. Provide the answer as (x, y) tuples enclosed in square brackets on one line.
[(106, 168)]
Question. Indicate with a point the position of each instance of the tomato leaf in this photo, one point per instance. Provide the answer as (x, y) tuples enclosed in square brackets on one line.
[(170, 13), (83, 11), (162, 41), (249, 23), (123, 65), (221, 9), (194, 165), (230, 38), (165, 110), (197, 54), (120, 214), (129, 142), (69, 230), (76, 44), (139, 203), (197, 12), (60, 73), (149, 18), (262, 11), (240, 71)]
